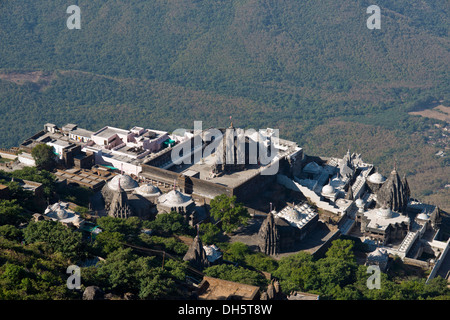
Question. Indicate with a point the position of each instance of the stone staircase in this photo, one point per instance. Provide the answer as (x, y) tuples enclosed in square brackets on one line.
[(407, 242)]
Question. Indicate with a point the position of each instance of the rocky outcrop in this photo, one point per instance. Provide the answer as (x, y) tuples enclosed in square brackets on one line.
[(273, 291), (93, 293)]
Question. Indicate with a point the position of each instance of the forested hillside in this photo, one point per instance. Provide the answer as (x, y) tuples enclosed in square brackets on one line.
[(310, 68)]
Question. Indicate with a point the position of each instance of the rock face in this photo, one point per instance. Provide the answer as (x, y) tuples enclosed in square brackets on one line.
[(269, 238), (273, 291), (394, 194), (196, 255), (93, 293)]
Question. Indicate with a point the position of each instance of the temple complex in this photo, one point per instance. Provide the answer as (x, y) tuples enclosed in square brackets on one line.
[(320, 198)]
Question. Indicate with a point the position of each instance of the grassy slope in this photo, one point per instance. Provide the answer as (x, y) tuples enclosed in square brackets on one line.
[(310, 68)]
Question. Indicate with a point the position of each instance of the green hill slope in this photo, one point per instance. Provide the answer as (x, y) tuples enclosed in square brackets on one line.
[(289, 64)]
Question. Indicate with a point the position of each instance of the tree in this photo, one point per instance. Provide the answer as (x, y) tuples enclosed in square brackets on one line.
[(155, 284), (341, 249), (333, 273), (120, 274), (10, 212), (41, 176), (260, 261), (57, 237), (131, 226), (297, 272), (13, 274), (10, 232), (107, 242), (169, 223), (123, 271), (231, 214), (208, 232), (44, 156), (163, 243), (237, 252)]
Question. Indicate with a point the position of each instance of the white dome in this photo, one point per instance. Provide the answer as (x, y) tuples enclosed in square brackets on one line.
[(376, 178), (293, 214), (378, 255), (148, 190), (384, 213), (62, 214), (56, 206), (126, 183), (328, 189), (422, 216), (359, 202), (174, 198)]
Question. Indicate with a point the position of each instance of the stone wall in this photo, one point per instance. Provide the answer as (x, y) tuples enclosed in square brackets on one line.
[(253, 186), (161, 175), (196, 186)]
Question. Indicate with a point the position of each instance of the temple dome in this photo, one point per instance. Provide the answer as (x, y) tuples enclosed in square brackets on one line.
[(62, 214), (57, 211), (384, 213), (379, 254), (359, 202), (293, 214), (328, 189), (148, 190), (174, 198), (376, 178), (126, 183), (422, 216)]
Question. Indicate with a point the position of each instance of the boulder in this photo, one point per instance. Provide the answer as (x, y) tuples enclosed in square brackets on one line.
[(93, 293)]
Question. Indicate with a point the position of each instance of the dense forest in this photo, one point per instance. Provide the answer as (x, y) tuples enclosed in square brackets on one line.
[(310, 68)]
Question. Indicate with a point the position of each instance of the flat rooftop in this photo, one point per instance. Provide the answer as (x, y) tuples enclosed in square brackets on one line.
[(107, 132), (85, 177), (218, 289), (61, 143), (381, 223), (82, 132), (204, 168)]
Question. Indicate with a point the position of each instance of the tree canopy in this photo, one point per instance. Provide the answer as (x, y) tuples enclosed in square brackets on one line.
[(231, 214), (44, 156), (57, 238)]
